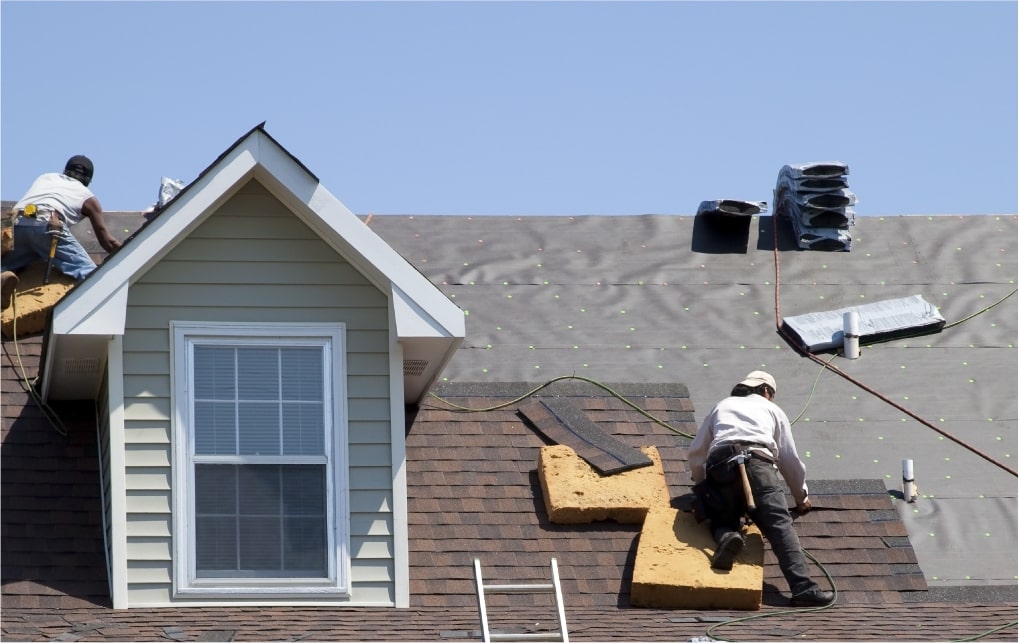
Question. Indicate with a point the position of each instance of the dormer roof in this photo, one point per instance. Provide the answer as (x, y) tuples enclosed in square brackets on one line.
[(427, 324)]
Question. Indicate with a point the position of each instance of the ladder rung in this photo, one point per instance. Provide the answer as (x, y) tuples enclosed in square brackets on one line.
[(547, 587)]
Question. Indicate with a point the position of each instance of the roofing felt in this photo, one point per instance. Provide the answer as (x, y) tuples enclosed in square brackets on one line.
[(656, 299), (659, 306)]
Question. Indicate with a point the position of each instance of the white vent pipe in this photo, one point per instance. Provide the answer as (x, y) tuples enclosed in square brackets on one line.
[(851, 334), (909, 493)]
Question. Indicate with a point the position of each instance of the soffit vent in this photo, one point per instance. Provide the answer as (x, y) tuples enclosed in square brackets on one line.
[(414, 367), (81, 366)]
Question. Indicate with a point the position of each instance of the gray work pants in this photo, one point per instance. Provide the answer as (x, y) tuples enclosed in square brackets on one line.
[(772, 517)]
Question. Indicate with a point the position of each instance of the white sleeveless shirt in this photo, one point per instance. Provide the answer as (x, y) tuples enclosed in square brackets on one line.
[(58, 192)]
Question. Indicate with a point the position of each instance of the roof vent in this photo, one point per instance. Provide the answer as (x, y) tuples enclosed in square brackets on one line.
[(876, 322), (88, 366), (816, 200), (414, 367)]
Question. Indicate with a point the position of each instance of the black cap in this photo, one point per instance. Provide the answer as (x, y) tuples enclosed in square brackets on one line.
[(79, 167)]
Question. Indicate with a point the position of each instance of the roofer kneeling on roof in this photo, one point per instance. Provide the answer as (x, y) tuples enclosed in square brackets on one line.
[(748, 423), (52, 204)]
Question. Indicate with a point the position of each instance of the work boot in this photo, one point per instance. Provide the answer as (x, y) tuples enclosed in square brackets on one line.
[(813, 597), (9, 283), (729, 547)]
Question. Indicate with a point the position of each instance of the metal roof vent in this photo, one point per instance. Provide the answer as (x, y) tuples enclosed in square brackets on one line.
[(89, 366), (816, 200), (414, 367)]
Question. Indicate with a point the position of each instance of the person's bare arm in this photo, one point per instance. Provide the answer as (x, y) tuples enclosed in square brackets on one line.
[(94, 212)]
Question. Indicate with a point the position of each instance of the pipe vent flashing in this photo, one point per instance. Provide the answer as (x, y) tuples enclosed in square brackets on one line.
[(878, 321)]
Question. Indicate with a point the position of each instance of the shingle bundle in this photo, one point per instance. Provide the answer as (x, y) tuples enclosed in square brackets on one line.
[(815, 197)]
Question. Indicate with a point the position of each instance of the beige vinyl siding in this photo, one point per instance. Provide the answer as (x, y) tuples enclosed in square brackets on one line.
[(254, 261)]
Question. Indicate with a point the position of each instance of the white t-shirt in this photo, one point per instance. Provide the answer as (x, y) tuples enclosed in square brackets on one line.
[(59, 192), (750, 419)]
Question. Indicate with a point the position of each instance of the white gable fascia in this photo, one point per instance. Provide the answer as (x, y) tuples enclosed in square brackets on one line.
[(358, 244), (258, 156), (413, 321), (102, 317), (152, 242), (98, 306)]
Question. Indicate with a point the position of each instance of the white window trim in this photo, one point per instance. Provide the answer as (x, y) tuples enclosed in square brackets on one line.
[(182, 333)]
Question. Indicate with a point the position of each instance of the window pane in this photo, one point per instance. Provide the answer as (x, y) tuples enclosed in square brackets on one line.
[(304, 520), (303, 429), (304, 490), (217, 545), (269, 519), (302, 374), (260, 544), (304, 543), (215, 428), (258, 373), (259, 429), (214, 373), (260, 489), (217, 489)]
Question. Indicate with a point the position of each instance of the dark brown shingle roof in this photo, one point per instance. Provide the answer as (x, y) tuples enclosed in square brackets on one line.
[(52, 545), (473, 492)]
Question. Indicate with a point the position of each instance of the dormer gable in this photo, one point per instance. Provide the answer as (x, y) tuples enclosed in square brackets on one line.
[(427, 325)]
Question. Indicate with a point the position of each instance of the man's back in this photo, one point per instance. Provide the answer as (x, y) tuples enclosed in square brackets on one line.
[(59, 192)]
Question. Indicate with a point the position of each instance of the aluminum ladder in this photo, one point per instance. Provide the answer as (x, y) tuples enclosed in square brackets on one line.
[(552, 588)]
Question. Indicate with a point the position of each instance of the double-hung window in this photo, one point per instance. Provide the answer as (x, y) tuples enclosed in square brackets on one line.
[(260, 461)]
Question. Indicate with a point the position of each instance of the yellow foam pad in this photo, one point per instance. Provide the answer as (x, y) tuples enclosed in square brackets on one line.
[(32, 301), (576, 493), (673, 566)]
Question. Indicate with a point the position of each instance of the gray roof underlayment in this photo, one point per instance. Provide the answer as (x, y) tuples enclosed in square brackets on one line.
[(672, 299), (661, 299)]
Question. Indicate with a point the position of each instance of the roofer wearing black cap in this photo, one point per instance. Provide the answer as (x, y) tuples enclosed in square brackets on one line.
[(52, 204), (748, 422)]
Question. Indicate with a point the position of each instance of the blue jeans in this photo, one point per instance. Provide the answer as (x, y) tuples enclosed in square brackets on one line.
[(771, 516), (32, 242)]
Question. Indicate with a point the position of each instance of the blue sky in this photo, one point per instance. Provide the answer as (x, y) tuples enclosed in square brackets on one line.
[(560, 108)]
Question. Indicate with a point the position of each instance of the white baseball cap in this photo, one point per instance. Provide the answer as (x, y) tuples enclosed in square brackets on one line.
[(756, 378)]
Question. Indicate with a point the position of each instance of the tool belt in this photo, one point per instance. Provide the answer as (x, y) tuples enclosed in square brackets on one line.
[(756, 449), (32, 214), (721, 465)]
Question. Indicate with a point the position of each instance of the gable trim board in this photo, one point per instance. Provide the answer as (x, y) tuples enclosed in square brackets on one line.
[(187, 263), (116, 548), (398, 454)]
